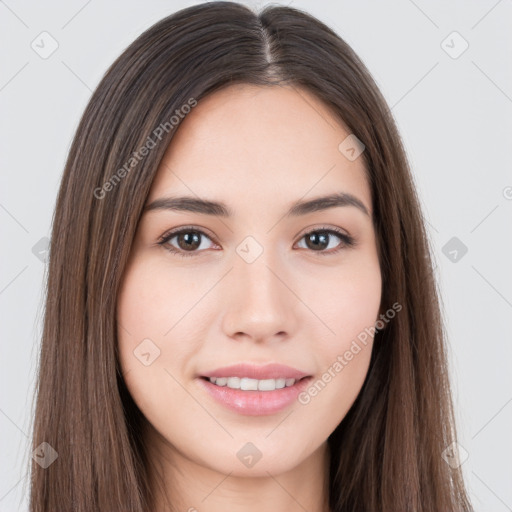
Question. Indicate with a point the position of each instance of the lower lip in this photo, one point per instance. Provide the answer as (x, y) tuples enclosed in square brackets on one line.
[(255, 403)]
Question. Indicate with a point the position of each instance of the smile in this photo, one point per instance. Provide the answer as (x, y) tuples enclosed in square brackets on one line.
[(253, 397), (248, 384)]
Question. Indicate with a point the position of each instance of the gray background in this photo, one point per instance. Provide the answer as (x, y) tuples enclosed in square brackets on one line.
[(454, 114)]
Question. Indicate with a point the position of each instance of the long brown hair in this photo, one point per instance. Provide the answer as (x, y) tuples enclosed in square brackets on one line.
[(386, 453)]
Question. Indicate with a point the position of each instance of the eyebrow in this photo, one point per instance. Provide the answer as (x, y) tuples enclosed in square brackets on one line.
[(220, 209)]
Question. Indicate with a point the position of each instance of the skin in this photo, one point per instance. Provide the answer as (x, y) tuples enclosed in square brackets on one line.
[(257, 149)]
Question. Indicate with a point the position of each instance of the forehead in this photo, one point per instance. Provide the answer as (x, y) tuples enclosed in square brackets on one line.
[(250, 144)]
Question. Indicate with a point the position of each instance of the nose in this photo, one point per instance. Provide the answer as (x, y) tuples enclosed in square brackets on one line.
[(260, 307)]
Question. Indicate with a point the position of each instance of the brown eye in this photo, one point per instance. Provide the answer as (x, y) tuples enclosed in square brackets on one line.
[(188, 241), (317, 240), (322, 239)]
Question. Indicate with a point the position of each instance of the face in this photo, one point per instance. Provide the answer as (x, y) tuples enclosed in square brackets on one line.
[(259, 286)]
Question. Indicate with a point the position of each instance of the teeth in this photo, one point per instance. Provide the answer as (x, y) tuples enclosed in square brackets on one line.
[(280, 383), (233, 382), (247, 384)]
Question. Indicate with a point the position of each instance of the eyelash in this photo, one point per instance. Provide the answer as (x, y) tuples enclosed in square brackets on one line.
[(347, 240)]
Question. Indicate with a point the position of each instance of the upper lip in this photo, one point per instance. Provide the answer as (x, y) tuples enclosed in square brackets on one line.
[(268, 371)]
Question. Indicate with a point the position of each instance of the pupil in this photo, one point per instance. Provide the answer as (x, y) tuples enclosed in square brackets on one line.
[(314, 239), (191, 240)]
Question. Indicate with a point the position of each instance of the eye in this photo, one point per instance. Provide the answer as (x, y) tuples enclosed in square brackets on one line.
[(321, 239), (188, 240)]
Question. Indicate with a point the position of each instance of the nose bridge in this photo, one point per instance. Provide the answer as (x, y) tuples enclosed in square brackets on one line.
[(260, 304)]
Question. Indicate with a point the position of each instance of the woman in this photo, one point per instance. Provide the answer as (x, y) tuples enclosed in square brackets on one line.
[(241, 311)]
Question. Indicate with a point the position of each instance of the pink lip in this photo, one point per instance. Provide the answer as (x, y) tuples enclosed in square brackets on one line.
[(256, 403), (268, 371)]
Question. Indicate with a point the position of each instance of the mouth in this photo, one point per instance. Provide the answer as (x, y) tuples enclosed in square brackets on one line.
[(250, 396), (270, 371), (248, 384)]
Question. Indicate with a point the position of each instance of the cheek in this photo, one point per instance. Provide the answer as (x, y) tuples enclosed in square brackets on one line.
[(347, 300), (349, 307), (152, 359), (151, 302), (343, 367), (148, 312)]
